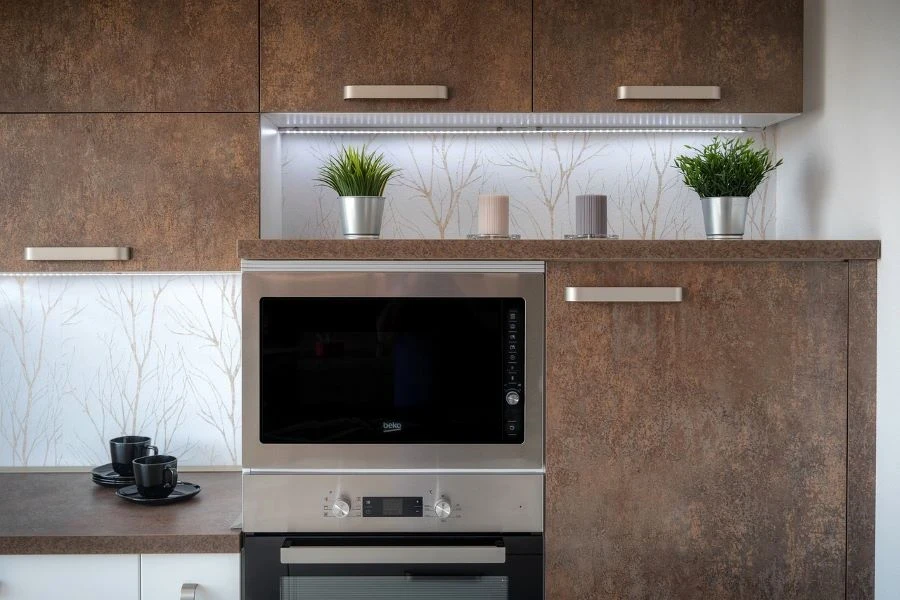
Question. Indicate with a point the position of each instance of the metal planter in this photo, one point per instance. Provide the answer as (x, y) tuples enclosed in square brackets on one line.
[(724, 217), (361, 216)]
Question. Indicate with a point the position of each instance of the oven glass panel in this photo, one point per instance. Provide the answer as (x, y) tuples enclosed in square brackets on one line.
[(391, 370), (394, 588)]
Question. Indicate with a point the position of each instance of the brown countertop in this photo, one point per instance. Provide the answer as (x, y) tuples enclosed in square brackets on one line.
[(761, 250), (65, 513)]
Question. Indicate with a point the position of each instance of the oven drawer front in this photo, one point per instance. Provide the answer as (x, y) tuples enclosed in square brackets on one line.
[(498, 568)]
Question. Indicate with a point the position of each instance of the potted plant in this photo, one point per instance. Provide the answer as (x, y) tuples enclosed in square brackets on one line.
[(724, 174), (359, 178)]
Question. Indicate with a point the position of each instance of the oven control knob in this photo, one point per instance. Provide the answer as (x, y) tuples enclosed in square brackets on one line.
[(442, 508), (341, 508), (512, 397)]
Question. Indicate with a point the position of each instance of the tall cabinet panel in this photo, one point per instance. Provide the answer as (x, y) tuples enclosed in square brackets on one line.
[(178, 189), (129, 55), (697, 449), (751, 49), (479, 49)]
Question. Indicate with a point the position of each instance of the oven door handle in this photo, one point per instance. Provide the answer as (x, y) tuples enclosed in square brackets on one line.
[(391, 555)]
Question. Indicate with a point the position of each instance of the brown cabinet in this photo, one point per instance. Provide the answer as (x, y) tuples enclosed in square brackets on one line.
[(178, 189), (585, 49), (479, 49), (698, 449), (129, 55)]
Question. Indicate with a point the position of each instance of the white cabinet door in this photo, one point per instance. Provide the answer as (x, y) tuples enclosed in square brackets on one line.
[(70, 576), (218, 576)]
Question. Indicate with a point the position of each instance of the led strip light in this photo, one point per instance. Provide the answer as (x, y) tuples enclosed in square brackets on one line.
[(508, 131)]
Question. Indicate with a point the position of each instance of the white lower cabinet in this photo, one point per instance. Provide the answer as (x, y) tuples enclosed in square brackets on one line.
[(217, 576), (70, 576)]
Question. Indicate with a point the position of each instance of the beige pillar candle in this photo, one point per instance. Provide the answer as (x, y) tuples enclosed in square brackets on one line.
[(493, 214)]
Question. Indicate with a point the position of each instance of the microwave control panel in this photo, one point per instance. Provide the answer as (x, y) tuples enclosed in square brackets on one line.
[(513, 379)]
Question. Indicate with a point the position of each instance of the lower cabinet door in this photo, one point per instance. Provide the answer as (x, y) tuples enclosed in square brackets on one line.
[(70, 576), (164, 576), (696, 441)]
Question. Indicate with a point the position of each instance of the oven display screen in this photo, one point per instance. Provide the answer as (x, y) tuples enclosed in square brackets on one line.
[(392, 506)]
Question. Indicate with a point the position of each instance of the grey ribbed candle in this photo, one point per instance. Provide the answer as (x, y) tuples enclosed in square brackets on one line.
[(590, 214)]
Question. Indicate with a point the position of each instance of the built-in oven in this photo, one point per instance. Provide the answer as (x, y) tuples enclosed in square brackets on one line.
[(393, 567), (348, 536), (392, 365)]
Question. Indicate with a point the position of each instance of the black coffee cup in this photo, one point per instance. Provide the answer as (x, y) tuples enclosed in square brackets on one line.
[(123, 450), (156, 476)]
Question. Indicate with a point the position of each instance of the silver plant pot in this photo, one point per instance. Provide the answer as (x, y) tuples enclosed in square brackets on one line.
[(361, 216), (724, 217)]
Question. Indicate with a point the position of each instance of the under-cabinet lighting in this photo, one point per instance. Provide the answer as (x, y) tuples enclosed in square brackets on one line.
[(508, 131)]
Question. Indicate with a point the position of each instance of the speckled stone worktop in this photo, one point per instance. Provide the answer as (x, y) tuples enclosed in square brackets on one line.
[(66, 513), (692, 250)]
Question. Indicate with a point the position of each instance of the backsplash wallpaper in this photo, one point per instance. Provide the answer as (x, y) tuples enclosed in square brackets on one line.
[(86, 358), (436, 194)]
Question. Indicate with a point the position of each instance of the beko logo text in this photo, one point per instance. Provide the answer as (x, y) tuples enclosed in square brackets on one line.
[(388, 426)]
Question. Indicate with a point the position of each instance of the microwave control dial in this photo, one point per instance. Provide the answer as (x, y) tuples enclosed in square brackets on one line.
[(341, 508), (512, 397), (442, 508)]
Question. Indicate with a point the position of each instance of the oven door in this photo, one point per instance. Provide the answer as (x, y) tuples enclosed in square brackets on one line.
[(415, 567), (393, 366)]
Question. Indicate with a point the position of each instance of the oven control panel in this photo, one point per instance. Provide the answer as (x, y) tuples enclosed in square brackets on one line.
[(342, 506), (393, 502)]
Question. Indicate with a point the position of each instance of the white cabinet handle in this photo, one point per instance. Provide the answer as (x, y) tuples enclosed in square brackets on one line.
[(395, 92), (669, 92), (189, 591), (624, 294), (78, 253)]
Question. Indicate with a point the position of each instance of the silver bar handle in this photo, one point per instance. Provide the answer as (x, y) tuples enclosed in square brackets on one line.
[(395, 92), (669, 92), (385, 555), (188, 591), (78, 253), (624, 294)]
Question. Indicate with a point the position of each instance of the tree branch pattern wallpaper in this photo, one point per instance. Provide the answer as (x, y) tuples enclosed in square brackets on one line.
[(84, 358), (436, 193)]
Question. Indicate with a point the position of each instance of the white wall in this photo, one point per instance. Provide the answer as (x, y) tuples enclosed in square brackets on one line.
[(841, 179)]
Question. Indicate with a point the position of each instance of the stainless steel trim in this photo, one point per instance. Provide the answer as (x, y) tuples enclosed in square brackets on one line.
[(78, 253), (669, 92), (482, 502), (333, 284), (188, 591), (395, 92), (392, 266), (368, 471), (392, 555), (624, 294)]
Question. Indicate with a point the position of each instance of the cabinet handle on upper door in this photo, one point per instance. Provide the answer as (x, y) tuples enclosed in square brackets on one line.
[(188, 591), (669, 92), (624, 294), (78, 253), (395, 92)]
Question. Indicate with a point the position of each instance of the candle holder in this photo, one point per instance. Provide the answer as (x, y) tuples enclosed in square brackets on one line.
[(590, 218), (493, 215)]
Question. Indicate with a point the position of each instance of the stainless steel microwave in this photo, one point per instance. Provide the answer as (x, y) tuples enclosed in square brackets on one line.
[(392, 365)]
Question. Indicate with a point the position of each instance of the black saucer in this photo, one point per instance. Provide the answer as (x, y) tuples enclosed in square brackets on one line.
[(106, 476), (182, 491)]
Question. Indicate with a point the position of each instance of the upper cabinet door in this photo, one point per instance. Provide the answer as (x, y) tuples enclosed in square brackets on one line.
[(751, 49), (129, 56), (479, 49), (179, 189)]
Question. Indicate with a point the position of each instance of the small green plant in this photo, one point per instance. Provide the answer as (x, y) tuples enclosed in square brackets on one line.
[(726, 168), (356, 172)]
